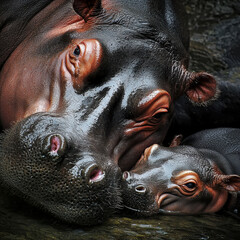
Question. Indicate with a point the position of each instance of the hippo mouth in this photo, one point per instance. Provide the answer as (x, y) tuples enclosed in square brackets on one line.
[(160, 206)]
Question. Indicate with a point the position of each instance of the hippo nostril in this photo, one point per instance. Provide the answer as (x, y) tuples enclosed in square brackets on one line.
[(94, 174), (126, 175), (140, 189)]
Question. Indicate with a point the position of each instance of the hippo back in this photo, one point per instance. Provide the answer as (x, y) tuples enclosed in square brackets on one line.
[(222, 140)]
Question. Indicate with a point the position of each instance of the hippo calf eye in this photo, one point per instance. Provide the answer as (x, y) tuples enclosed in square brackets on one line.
[(77, 51), (157, 115), (54, 145), (191, 185)]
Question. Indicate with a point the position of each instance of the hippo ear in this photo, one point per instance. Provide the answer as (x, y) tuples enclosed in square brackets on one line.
[(87, 8), (230, 182), (176, 140), (201, 88)]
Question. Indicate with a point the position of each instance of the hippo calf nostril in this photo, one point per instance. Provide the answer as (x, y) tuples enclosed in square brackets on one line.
[(140, 189), (126, 175), (94, 174)]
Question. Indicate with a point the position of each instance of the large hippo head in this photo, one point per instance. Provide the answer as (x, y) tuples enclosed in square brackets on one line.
[(112, 68), (115, 65), (44, 161), (178, 180)]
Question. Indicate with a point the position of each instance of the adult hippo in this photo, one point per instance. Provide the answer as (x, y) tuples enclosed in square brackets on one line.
[(203, 176), (111, 69), (116, 69)]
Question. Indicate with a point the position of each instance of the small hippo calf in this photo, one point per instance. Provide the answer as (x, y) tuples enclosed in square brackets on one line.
[(202, 178)]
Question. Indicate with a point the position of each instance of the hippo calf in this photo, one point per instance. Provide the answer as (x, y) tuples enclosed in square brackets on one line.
[(202, 178), (42, 161)]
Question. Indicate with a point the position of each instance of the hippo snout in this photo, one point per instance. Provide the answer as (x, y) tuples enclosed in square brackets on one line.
[(44, 160), (138, 188)]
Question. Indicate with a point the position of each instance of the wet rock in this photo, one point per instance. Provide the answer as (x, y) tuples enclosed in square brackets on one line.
[(215, 37)]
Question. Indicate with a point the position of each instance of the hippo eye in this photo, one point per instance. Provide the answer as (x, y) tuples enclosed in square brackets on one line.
[(157, 116), (54, 146), (189, 187), (77, 51)]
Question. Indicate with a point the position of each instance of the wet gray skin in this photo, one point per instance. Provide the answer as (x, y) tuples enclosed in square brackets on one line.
[(42, 161), (179, 180)]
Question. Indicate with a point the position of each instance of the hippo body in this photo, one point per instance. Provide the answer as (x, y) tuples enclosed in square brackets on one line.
[(201, 176), (111, 71)]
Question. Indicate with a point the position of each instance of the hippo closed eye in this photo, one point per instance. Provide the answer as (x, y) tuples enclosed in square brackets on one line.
[(103, 62)]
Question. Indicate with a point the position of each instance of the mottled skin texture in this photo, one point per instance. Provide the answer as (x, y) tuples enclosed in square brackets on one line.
[(111, 69), (186, 179)]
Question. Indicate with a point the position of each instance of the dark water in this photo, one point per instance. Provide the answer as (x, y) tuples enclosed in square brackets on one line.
[(215, 47)]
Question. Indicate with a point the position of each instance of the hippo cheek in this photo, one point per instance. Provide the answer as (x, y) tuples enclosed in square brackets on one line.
[(169, 203), (147, 129)]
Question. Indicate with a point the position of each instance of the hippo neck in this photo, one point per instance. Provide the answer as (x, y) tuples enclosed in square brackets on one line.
[(218, 159)]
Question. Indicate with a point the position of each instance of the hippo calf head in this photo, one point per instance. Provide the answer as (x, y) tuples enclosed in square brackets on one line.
[(42, 160), (179, 180)]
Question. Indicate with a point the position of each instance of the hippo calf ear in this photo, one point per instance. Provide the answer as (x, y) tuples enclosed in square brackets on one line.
[(202, 87), (176, 140), (230, 182), (87, 8)]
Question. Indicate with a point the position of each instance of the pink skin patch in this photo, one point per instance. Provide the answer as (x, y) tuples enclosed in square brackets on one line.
[(55, 144), (96, 175)]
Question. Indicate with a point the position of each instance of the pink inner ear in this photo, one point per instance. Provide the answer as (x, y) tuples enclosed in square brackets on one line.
[(55, 144), (203, 88)]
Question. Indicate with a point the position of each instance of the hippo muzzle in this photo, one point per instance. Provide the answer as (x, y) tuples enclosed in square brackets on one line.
[(42, 161)]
